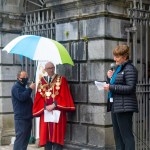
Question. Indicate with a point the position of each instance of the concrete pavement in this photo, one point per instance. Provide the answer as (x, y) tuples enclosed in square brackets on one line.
[(30, 147)]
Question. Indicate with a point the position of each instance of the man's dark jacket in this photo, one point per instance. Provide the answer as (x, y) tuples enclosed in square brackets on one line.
[(22, 101), (124, 89)]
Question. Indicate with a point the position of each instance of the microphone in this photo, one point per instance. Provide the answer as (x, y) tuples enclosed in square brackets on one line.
[(112, 66)]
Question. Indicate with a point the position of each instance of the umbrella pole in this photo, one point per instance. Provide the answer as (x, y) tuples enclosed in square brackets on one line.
[(34, 74)]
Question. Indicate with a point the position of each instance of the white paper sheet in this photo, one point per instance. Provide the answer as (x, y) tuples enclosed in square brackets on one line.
[(100, 85), (52, 116)]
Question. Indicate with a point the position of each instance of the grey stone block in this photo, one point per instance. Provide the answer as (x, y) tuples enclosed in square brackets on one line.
[(96, 96), (8, 121), (92, 27), (92, 71), (96, 71), (101, 49), (96, 49), (7, 37), (67, 136), (92, 7), (12, 23), (79, 92), (109, 46), (117, 7), (96, 136), (5, 88), (78, 50), (96, 115), (83, 72), (19, 60), (1, 120), (65, 14), (8, 130), (7, 126), (103, 27), (13, 6), (9, 72), (67, 31), (102, 137), (67, 46), (115, 28), (6, 105), (70, 72), (64, 9), (79, 133), (6, 58), (74, 116), (0, 131)]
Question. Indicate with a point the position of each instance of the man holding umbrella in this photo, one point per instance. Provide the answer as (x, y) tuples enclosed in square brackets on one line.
[(22, 106), (52, 94)]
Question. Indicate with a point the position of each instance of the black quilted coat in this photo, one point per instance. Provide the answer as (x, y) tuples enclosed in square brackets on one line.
[(124, 90)]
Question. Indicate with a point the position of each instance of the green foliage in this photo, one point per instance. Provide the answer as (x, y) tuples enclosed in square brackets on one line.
[(67, 33), (85, 38)]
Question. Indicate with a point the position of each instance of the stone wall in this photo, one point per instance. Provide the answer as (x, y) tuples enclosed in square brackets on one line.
[(11, 22), (89, 30)]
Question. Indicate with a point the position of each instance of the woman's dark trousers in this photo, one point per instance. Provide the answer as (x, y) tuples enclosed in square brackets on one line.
[(122, 127), (23, 132)]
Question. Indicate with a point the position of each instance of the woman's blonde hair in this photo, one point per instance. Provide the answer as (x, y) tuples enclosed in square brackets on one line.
[(122, 50)]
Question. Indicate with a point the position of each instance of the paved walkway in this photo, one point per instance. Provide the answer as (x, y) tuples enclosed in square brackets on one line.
[(30, 147)]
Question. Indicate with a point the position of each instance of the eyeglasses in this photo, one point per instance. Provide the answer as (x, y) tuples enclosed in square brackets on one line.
[(50, 68)]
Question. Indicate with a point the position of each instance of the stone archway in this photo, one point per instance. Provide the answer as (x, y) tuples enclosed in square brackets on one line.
[(34, 5)]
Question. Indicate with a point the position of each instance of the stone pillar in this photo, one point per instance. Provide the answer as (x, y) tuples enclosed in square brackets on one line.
[(10, 27), (89, 30)]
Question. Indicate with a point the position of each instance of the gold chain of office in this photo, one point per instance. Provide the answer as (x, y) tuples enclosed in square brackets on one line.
[(47, 90)]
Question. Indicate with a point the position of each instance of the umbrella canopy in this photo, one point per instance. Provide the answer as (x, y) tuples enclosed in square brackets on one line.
[(39, 48)]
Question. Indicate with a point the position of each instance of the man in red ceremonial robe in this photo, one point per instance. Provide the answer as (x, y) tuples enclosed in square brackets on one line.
[(52, 95)]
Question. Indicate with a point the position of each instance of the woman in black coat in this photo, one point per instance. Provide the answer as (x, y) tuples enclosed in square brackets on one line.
[(122, 100)]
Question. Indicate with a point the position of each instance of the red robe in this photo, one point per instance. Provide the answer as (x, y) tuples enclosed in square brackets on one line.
[(53, 132)]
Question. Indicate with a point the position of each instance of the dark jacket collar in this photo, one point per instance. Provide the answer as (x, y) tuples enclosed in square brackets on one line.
[(126, 62)]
